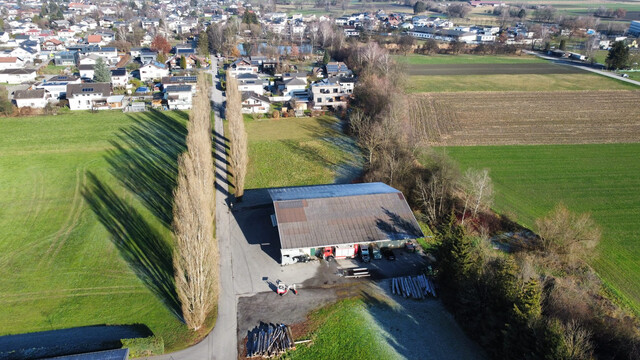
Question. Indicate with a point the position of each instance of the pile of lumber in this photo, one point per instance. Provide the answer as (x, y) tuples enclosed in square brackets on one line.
[(269, 340), (417, 287)]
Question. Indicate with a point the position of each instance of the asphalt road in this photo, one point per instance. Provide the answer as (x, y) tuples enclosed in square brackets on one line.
[(584, 67), (221, 343), (491, 69)]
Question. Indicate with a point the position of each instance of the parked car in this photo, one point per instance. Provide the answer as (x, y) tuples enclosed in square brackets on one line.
[(388, 253), (625, 75), (410, 246), (375, 252), (364, 253)]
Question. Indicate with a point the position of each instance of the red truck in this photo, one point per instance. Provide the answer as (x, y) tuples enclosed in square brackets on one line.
[(340, 252)]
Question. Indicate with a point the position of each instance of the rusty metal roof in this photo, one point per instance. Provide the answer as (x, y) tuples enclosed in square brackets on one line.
[(333, 215)]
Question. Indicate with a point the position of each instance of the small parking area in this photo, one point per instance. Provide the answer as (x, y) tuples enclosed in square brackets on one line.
[(406, 263)]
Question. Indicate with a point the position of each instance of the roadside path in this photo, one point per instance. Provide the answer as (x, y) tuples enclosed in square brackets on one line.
[(221, 343), (583, 67)]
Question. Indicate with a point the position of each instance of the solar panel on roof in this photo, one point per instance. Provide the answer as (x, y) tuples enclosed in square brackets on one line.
[(87, 89)]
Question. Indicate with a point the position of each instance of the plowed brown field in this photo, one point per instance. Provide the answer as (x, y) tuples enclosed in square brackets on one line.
[(515, 118)]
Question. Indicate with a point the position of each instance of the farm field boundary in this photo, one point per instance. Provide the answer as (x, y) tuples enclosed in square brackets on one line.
[(521, 118), (492, 69)]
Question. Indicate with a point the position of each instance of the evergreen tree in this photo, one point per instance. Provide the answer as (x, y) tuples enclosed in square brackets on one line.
[(563, 44), (203, 43), (419, 7), (183, 62), (326, 58), (101, 72), (618, 56)]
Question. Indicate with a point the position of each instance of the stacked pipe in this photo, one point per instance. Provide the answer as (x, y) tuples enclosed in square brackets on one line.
[(269, 340), (416, 287)]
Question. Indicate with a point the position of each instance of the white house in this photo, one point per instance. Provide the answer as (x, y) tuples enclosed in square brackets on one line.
[(242, 66), (17, 76), (153, 70), (178, 97), (119, 77), (86, 71), (293, 85), (11, 63), (57, 86), (253, 103), (30, 98), (328, 92), (251, 83), (87, 96)]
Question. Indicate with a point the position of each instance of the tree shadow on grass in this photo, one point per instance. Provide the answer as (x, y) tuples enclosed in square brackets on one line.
[(144, 249), (144, 160)]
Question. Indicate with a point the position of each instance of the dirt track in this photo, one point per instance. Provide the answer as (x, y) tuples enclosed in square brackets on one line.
[(519, 118), (492, 69)]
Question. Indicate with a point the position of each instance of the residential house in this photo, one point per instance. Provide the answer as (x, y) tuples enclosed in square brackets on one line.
[(88, 59), (87, 96), (153, 70), (147, 56), (119, 78), (53, 45), (17, 76), (65, 58), (108, 54), (251, 83), (180, 80), (328, 92), (178, 97), (242, 66), (253, 103), (337, 69), (11, 62), (23, 52), (4, 37), (86, 71), (56, 86), (293, 85), (30, 98), (95, 40), (443, 34)]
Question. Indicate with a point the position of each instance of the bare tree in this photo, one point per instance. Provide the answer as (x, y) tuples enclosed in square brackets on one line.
[(478, 191), (435, 191), (576, 340), (196, 256), (239, 157), (566, 233)]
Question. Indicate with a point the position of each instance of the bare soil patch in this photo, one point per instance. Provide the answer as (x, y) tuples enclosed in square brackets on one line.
[(491, 69), (519, 118)]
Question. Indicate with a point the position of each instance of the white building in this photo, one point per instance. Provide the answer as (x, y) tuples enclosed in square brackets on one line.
[(86, 71), (30, 98), (87, 96), (255, 104), (251, 83), (56, 86), (17, 76), (153, 70), (12, 62), (119, 77), (178, 97)]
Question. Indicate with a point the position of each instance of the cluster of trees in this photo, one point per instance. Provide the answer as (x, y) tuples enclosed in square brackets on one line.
[(545, 13), (611, 13), (618, 56), (238, 139), (196, 253)]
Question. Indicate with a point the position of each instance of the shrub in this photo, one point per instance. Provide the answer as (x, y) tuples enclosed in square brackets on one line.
[(275, 114), (139, 347)]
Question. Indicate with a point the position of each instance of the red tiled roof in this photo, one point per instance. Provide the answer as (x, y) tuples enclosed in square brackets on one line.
[(8, 59), (94, 39)]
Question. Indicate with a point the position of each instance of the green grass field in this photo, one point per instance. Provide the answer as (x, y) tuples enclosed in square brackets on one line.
[(633, 75), (415, 59), (84, 231), (599, 179), (344, 331), (530, 82), (295, 151)]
